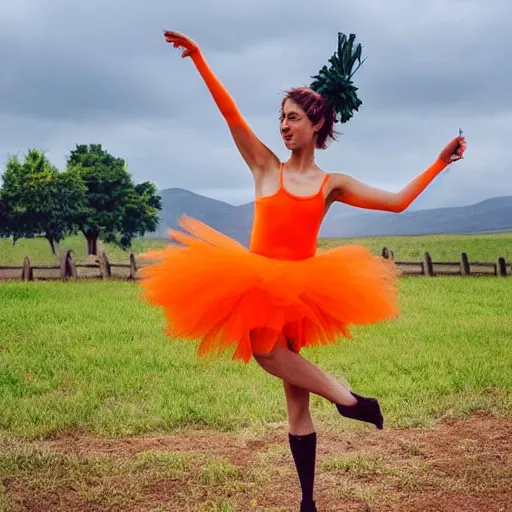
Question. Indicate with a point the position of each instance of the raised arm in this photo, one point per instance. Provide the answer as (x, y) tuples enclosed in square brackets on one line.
[(254, 152), (350, 191)]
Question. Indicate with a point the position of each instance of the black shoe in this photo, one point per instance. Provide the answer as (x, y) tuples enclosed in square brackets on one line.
[(366, 409), (308, 506)]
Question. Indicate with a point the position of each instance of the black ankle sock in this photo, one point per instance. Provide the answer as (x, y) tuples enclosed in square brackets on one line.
[(303, 450), (366, 409)]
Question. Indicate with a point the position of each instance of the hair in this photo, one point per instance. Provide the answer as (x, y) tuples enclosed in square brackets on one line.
[(316, 108)]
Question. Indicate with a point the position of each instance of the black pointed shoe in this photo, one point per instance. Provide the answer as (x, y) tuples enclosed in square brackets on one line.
[(366, 409)]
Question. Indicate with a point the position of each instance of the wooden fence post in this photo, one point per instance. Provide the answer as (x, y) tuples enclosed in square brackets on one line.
[(133, 266), (27, 274), (464, 265), (501, 267), (63, 269), (428, 268), (105, 270), (72, 266), (67, 266)]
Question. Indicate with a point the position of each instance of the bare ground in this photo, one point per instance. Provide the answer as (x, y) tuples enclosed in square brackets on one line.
[(460, 465)]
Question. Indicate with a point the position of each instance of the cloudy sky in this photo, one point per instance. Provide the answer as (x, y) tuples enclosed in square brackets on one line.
[(101, 72)]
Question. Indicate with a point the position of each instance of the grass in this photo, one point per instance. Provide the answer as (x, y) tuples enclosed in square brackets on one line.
[(39, 252), (91, 356), (485, 247), (83, 359)]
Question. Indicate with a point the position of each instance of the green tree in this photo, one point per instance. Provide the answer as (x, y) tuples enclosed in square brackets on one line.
[(3, 216), (39, 201), (116, 209)]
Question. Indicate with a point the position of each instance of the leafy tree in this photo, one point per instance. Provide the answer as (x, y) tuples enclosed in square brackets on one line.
[(39, 201), (3, 216), (116, 209)]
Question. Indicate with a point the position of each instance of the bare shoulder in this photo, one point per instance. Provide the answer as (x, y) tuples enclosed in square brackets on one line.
[(337, 183), (338, 179)]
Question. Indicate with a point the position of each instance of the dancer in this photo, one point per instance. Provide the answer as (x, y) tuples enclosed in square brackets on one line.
[(269, 301)]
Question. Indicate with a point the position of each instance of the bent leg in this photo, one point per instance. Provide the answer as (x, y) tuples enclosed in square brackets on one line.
[(294, 369)]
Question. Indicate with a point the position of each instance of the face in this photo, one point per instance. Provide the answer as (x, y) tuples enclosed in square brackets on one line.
[(297, 130)]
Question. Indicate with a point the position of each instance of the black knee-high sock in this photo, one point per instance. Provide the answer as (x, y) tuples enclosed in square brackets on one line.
[(303, 450)]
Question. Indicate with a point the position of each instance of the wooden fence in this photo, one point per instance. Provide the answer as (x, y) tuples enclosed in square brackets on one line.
[(463, 267), (102, 268), (68, 269)]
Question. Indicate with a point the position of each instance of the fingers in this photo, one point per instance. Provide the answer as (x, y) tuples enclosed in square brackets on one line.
[(462, 144), (172, 34), (178, 40), (175, 38), (459, 154)]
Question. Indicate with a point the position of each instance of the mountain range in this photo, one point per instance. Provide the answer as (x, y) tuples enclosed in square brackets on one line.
[(341, 221)]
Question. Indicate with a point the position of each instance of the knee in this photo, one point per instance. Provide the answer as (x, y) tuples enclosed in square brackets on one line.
[(263, 358), (263, 352)]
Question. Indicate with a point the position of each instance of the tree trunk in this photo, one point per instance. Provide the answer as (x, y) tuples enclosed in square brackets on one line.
[(92, 243), (51, 241)]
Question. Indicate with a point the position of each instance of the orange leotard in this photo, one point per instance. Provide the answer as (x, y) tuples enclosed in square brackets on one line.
[(285, 225), (216, 291)]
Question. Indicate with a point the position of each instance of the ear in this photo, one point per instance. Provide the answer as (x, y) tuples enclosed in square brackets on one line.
[(318, 126)]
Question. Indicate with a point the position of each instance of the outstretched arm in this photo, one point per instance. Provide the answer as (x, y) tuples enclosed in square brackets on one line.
[(355, 193), (254, 152)]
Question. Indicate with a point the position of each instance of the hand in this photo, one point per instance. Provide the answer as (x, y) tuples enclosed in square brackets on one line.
[(182, 40), (454, 150)]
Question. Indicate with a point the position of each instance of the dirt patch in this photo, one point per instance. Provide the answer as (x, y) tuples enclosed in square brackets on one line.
[(460, 465)]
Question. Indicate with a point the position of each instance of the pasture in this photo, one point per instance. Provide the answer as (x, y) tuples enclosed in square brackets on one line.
[(484, 247), (101, 411)]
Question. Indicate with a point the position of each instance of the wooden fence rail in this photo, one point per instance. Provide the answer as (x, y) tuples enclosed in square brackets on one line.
[(69, 269), (463, 267)]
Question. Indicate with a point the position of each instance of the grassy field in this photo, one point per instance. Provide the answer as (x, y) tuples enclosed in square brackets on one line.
[(38, 250), (101, 411), (487, 247), (92, 356)]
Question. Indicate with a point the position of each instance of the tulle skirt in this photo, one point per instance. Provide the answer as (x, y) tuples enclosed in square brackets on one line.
[(218, 293)]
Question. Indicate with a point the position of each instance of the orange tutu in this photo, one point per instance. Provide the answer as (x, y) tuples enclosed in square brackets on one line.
[(216, 291)]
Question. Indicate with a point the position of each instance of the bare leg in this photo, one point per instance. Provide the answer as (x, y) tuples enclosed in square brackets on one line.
[(300, 422), (294, 369), (297, 371)]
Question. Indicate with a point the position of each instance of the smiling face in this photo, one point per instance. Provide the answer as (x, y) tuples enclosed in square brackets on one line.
[(306, 120), (296, 128)]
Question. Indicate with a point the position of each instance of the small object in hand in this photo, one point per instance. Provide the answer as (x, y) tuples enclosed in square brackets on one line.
[(457, 147)]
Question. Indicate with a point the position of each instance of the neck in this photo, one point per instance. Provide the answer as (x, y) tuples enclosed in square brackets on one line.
[(302, 160)]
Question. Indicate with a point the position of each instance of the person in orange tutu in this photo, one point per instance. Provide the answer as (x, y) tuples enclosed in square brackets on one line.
[(278, 296)]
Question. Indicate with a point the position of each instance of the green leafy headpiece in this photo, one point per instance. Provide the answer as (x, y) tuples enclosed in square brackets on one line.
[(335, 83)]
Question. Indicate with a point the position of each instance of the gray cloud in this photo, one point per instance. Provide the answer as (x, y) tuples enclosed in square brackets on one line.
[(101, 72)]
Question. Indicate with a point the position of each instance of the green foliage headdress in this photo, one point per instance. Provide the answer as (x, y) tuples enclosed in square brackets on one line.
[(335, 83)]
